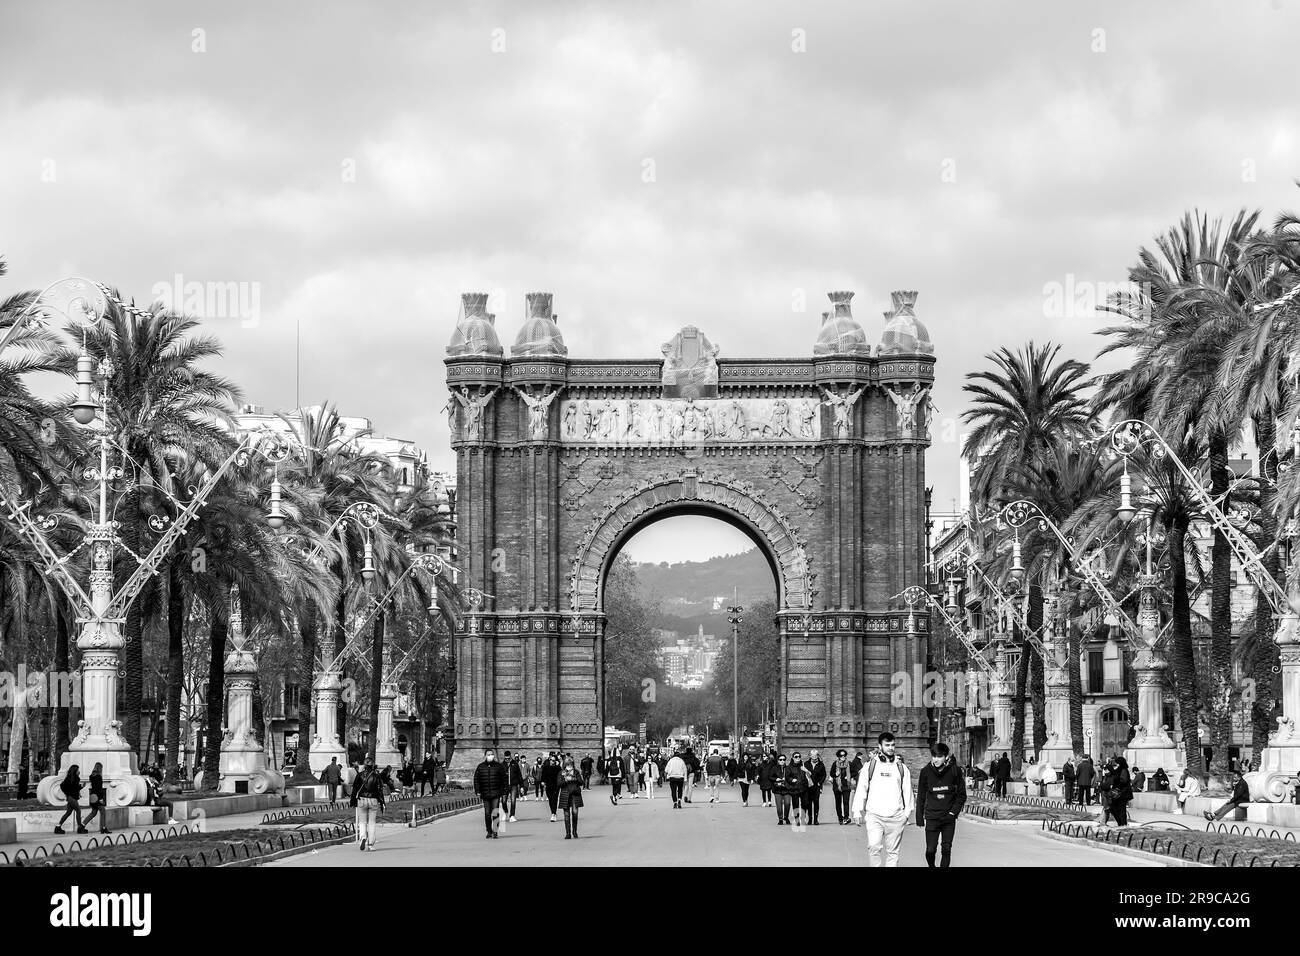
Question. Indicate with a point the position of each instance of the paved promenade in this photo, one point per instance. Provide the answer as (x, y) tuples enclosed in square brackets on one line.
[(652, 833)]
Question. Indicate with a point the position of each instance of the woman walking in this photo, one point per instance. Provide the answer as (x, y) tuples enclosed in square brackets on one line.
[(634, 774), (98, 799), (71, 787), (649, 776), (766, 775), (746, 775), (570, 797), (368, 791), (1121, 792)]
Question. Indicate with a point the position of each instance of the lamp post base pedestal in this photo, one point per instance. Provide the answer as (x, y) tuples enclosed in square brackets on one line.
[(126, 788), (250, 768), (1158, 755), (1279, 767)]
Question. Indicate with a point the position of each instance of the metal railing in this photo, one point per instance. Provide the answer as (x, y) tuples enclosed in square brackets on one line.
[(96, 842), (1259, 833), (1151, 842)]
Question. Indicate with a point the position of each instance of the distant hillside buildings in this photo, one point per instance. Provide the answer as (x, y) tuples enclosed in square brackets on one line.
[(687, 662)]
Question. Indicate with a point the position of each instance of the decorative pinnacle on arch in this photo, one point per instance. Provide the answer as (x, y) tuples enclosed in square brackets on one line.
[(474, 303), (539, 305), (903, 302)]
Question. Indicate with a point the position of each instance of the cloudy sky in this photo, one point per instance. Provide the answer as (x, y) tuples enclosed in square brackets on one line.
[(354, 167)]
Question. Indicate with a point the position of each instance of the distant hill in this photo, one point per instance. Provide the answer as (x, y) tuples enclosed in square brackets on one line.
[(686, 589)]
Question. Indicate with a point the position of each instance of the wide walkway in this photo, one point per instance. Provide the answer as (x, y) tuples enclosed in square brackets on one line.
[(652, 833)]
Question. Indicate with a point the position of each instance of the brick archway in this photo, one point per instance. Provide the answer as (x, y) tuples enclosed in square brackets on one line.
[(559, 460)]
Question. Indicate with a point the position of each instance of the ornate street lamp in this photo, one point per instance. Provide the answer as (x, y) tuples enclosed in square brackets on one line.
[(275, 516), (368, 562), (102, 612), (734, 620), (1125, 512)]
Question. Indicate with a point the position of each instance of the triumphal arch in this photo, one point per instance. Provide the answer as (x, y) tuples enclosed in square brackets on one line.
[(560, 460)]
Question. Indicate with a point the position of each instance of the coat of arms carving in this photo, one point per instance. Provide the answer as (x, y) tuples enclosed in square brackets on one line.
[(690, 365)]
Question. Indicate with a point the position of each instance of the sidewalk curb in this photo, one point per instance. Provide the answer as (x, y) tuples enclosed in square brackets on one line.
[(1123, 850), (289, 851), (437, 816), (1075, 841)]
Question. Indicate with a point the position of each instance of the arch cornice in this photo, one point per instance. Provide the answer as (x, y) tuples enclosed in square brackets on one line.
[(733, 498)]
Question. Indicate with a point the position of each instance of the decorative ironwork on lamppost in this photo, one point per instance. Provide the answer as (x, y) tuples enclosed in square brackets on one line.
[(1018, 513), (1280, 760), (915, 596), (101, 613), (1130, 436), (1006, 605)]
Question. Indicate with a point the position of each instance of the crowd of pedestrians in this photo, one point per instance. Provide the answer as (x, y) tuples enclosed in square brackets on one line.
[(875, 791)]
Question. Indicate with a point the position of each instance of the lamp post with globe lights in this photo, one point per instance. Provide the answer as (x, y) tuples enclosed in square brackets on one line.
[(1153, 736), (734, 618), (101, 612), (1279, 763)]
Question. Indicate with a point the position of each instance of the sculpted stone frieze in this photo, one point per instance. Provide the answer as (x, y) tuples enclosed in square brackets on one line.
[(689, 421)]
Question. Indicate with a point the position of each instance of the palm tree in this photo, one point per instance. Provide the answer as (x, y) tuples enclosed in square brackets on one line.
[(162, 408), (1022, 411), (1190, 290), (324, 476), (243, 552), (420, 525), (1257, 372), (1075, 486)]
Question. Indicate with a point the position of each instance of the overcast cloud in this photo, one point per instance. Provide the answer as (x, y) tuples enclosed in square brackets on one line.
[(361, 165)]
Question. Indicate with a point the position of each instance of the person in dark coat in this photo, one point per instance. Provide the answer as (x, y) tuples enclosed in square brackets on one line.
[(614, 771), (490, 784), (551, 781), (1159, 781), (940, 795), (1004, 774), (570, 797), (748, 775), (779, 792), (98, 795), (843, 784), (515, 780), (23, 782), (587, 766), (794, 781), (367, 799), (1069, 775), (1121, 790), (1240, 797), (1085, 777), (767, 779), (71, 789), (332, 777), (816, 780)]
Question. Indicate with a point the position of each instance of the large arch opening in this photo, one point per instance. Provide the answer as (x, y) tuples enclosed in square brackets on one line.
[(671, 667)]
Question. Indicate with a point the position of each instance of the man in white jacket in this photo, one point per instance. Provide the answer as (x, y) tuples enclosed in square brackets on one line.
[(883, 802)]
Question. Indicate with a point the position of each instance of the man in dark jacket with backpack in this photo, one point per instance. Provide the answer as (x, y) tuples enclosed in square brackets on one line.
[(940, 795)]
